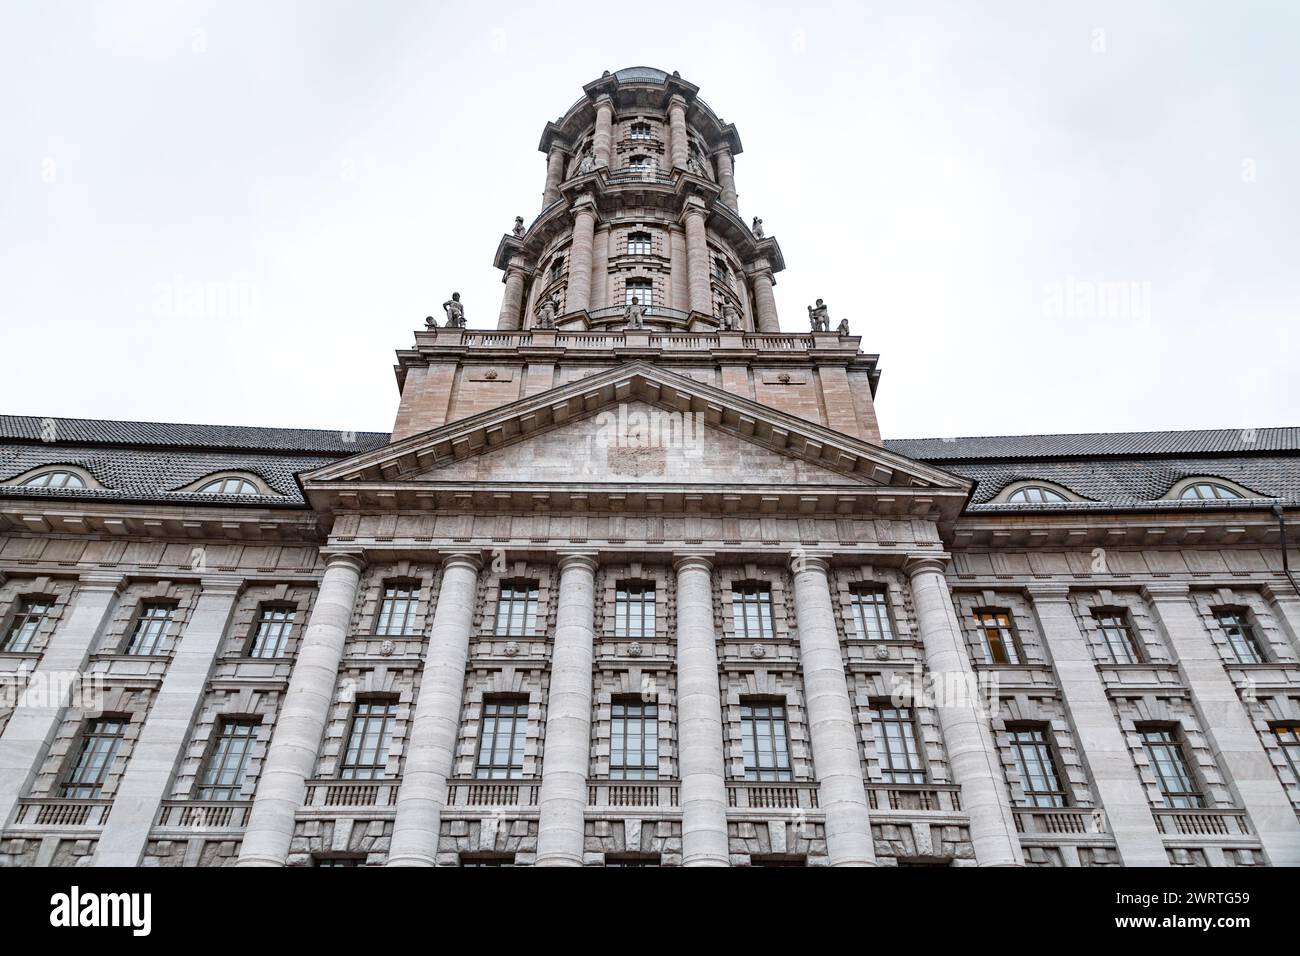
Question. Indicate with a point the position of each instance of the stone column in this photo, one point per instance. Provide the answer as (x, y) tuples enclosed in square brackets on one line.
[(966, 734), (1101, 743), (600, 270), (700, 756), (291, 758), (555, 160), (566, 759), (35, 720), (1227, 726), (678, 143), (727, 179), (435, 726), (512, 302), (600, 141), (578, 297), (765, 302), (165, 735), (697, 258), (837, 754)]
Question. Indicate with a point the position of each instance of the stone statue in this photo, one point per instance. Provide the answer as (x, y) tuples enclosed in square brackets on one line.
[(546, 313), (730, 318), (586, 164), (820, 317), (694, 165), (633, 314), (843, 327), (519, 226), (455, 312), (430, 322), (757, 228)]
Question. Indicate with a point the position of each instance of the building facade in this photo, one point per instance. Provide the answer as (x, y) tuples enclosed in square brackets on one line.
[(635, 581)]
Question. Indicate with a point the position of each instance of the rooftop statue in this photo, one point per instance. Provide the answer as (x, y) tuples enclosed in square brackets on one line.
[(519, 226), (820, 317), (455, 312), (757, 228)]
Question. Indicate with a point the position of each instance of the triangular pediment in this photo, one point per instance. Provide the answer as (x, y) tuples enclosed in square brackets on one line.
[(646, 429)]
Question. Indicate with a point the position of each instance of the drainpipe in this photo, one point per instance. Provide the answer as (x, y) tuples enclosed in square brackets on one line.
[(1286, 567)]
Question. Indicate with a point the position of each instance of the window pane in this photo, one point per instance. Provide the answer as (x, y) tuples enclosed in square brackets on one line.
[(1118, 635), (1037, 769), (26, 624), (502, 739), (871, 616), (150, 628), (517, 608), (634, 740), (764, 742), (366, 754), (1165, 754), (98, 749), (1241, 636), (897, 751), (751, 611), (996, 637), (223, 777)]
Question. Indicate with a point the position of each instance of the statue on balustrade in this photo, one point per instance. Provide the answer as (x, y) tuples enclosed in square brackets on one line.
[(820, 317), (519, 227), (586, 164), (546, 313), (730, 318), (455, 312), (633, 314), (843, 327), (757, 228), (430, 322)]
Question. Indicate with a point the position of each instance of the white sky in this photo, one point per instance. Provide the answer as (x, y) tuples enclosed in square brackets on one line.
[(935, 171)]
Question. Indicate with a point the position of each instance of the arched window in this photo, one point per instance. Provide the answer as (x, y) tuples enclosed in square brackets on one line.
[(1208, 491), (1036, 494), (55, 478), (229, 485), (638, 243), (721, 271)]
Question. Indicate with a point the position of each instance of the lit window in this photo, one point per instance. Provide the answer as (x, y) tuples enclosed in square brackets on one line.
[(26, 624), (1241, 636), (894, 733), (640, 131), (634, 609), (397, 610), (751, 611), (371, 736), (997, 637), (150, 628), (501, 739), (272, 631), (640, 289), (638, 243), (871, 615), (232, 485), (1037, 769), (1208, 491), (1035, 494), (1119, 636), (765, 741), (517, 609), (634, 740), (223, 777), (55, 479), (1165, 754), (100, 743), (1288, 738)]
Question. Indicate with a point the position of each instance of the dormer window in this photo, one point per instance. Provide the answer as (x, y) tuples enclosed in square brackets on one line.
[(1036, 494), (231, 485), (1202, 490), (55, 478)]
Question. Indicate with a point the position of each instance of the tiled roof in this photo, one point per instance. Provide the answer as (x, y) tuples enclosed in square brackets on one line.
[(1218, 441), (87, 431)]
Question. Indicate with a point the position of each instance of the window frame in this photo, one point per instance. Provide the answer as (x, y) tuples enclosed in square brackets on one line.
[(1246, 633), (90, 765), (904, 764), (774, 715), (217, 762), (640, 288), (635, 609), (524, 597), (1197, 483), (645, 744), (1174, 743), (517, 749), (395, 593), (284, 630), (141, 623), (24, 617), (880, 611), (764, 613), (374, 727), (1128, 638), (1041, 745), (1011, 640), (32, 479), (1290, 747), (640, 243)]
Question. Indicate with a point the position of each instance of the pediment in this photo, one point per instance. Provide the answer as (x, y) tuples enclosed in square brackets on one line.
[(638, 426)]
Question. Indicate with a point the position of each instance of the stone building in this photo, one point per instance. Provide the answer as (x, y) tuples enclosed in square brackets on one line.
[(640, 584)]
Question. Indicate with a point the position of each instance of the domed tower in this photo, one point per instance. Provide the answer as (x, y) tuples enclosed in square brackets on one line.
[(639, 253), (640, 203)]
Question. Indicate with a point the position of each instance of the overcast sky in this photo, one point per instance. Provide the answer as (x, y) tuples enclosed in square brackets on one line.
[(1044, 217)]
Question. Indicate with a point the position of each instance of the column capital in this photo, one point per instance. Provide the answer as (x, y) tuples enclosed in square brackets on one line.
[(462, 559), (343, 558), (604, 99), (694, 206), (692, 560), (585, 559), (583, 203), (100, 581), (216, 583), (920, 564), (1165, 591), (676, 100), (816, 561), (1042, 591), (1277, 593)]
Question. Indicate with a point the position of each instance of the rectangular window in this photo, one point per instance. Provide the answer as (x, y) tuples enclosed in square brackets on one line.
[(640, 131), (1288, 738), (1121, 642), (640, 289), (871, 615), (894, 732), (517, 608), (996, 637), (271, 632), (1241, 636), (501, 740), (765, 741), (1037, 768), (751, 611), (100, 742), (638, 244), (634, 609), (369, 740), (397, 609), (1165, 753), (150, 628), (26, 624), (223, 777), (634, 740)]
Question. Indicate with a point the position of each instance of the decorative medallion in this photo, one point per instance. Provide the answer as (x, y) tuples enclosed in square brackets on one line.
[(387, 649), (882, 653), (512, 648), (634, 649), (757, 650)]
